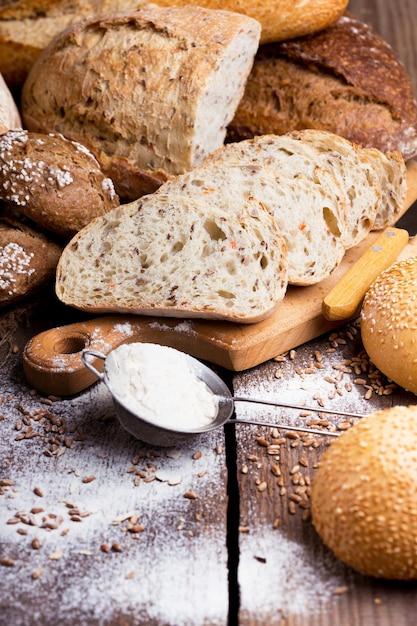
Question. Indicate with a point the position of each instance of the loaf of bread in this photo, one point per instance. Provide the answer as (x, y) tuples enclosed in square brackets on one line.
[(346, 79), (28, 260), (28, 26), (323, 192), (55, 182), (9, 113), (172, 256), (223, 240), (150, 92)]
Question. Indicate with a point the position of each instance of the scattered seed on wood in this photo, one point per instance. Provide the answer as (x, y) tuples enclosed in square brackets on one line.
[(38, 492), (89, 479), (190, 495), (37, 573), (55, 556), (7, 562), (116, 547), (262, 486), (36, 544)]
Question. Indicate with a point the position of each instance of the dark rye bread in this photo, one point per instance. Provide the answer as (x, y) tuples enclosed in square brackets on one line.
[(346, 79)]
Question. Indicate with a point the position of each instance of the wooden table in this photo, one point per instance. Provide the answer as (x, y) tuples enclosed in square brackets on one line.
[(99, 529)]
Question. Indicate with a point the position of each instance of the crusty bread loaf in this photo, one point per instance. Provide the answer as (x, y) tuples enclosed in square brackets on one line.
[(172, 256), (28, 260), (55, 182), (150, 91), (377, 189), (303, 198), (9, 113), (280, 19), (181, 251), (323, 191), (345, 79), (28, 26)]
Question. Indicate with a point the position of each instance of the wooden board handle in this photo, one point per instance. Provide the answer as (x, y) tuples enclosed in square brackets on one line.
[(343, 301)]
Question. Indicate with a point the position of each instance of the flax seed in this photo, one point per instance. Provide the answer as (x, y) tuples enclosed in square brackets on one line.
[(190, 495), (38, 492), (37, 573), (88, 479), (36, 544)]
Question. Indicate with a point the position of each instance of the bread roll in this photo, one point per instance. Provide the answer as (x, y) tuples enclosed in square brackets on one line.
[(364, 494), (9, 113), (173, 256), (388, 323), (28, 260), (345, 79), (28, 26), (150, 92), (55, 182)]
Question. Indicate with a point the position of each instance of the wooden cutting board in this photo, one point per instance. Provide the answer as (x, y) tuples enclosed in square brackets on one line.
[(52, 360)]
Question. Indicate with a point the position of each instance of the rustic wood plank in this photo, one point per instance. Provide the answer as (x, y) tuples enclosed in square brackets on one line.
[(285, 573), (128, 534)]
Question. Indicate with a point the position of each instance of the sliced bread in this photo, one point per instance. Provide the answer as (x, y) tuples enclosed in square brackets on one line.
[(176, 256), (309, 212)]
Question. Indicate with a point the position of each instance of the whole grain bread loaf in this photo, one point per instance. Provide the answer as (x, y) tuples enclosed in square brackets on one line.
[(224, 239), (149, 92), (9, 113), (172, 256), (28, 260), (28, 26), (346, 79), (55, 182)]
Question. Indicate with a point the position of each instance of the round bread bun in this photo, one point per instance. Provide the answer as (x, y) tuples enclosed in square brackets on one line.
[(389, 323), (364, 495), (56, 183)]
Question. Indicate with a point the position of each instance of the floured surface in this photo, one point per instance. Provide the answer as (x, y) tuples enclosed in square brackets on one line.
[(82, 483), (286, 574)]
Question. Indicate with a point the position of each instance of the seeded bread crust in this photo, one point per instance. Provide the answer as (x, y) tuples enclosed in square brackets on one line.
[(151, 91), (345, 79), (172, 256), (28, 260), (55, 182)]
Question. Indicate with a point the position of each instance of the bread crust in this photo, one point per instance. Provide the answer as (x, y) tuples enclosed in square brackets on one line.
[(345, 79), (28, 260), (152, 89), (28, 26), (55, 182), (388, 326)]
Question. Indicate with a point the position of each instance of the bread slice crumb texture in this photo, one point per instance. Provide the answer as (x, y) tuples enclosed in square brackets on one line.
[(170, 256)]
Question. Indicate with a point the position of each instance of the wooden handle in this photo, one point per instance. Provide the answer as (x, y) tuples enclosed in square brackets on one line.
[(344, 300)]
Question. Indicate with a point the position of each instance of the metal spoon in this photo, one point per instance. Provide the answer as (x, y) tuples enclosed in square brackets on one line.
[(159, 435)]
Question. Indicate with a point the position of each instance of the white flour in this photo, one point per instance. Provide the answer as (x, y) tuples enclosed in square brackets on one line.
[(155, 382)]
